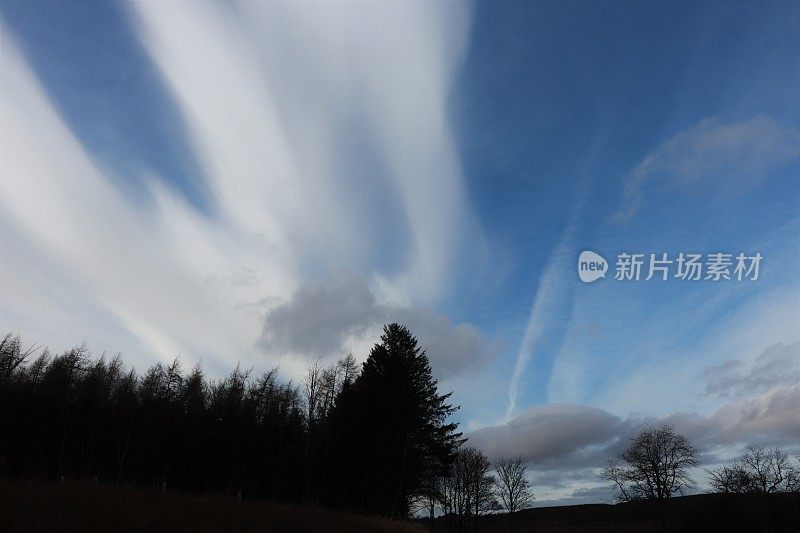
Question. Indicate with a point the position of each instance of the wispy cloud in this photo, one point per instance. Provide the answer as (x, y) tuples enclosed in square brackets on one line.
[(551, 304), (777, 366), (270, 97), (547, 310), (146, 268), (733, 156), (277, 91)]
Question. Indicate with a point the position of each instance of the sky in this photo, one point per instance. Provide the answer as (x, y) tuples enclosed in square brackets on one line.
[(267, 184)]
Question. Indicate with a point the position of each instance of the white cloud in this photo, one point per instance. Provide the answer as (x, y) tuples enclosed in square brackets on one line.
[(772, 418), (643, 368), (277, 87), (627, 345), (114, 254), (758, 402), (285, 206)]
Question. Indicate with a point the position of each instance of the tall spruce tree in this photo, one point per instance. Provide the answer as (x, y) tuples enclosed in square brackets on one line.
[(392, 429)]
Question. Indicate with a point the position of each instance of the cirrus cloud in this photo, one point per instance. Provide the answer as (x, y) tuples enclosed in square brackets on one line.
[(289, 200), (740, 154)]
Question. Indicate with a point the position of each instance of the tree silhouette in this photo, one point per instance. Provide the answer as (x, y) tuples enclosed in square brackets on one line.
[(467, 490), (365, 441), (480, 484), (391, 426), (654, 466), (71, 416), (513, 486), (758, 474), (757, 471)]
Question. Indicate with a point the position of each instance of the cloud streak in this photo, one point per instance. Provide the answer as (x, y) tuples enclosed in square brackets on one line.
[(778, 366), (128, 261), (267, 107), (735, 156), (552, 300), (290, 203)]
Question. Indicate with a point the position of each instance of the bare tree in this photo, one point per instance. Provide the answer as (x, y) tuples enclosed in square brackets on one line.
[(480, 483), (452, 487), (173, 380), (12, 355), (329, 386), (654, 466), (322, 385), (347, 367), (513, 486), (431, 489), (467, 491), (312, 385), (794, 481), (329, 382), (758, 471)]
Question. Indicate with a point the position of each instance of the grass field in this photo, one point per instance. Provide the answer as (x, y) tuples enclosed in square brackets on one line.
[(43, 506), (32, 505), (701, 512)]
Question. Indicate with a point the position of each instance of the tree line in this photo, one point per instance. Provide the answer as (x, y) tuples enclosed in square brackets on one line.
[(657, 464), (473, 487), (373, 438)]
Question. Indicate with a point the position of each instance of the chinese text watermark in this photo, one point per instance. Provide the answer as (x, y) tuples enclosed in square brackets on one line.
[(718, 266)]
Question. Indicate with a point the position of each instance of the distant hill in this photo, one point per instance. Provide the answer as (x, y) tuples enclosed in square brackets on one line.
[(701, 512), (34, 506)]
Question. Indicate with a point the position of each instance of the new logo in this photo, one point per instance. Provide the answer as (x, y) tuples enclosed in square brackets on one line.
[(591, 266)]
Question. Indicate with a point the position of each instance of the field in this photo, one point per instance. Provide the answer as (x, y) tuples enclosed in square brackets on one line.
[(43, 506), (702, 512), (31, 505)]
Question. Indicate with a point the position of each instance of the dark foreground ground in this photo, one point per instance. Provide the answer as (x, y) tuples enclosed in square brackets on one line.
[(702, 512), (40, 506), (43, 506)]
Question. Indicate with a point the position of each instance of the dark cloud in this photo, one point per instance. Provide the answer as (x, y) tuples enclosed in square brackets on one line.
[(319, 319), (763, 406), (559, 479), (454, 349), (553, 434), (576, 436), (565, 444), (772, 419)]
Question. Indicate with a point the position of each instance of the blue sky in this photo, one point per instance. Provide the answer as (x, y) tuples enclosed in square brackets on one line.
[(267, 184)]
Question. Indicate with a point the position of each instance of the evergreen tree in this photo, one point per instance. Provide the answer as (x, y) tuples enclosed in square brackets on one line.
[(392, 429)]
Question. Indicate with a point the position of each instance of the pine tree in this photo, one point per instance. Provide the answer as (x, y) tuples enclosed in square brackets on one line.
[(392, 428)]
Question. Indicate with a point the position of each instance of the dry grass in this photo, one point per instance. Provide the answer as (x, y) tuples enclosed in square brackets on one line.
[(43, 506)]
